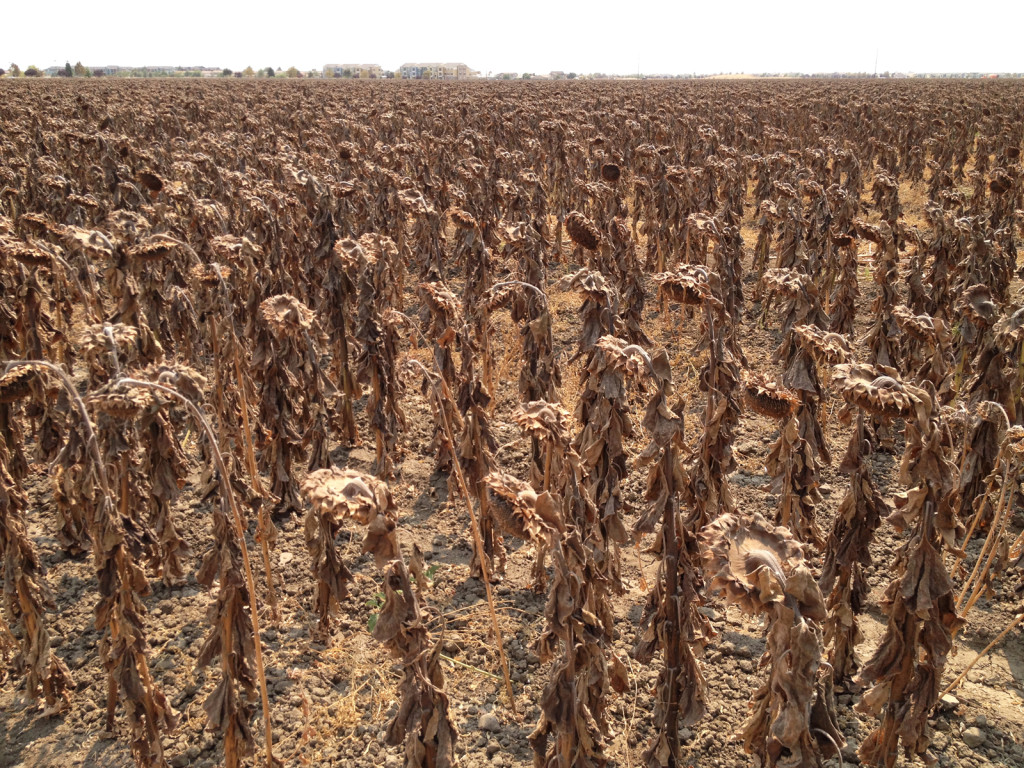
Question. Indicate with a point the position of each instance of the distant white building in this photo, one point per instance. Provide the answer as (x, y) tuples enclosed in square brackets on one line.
[(360, 71), (436, 71)]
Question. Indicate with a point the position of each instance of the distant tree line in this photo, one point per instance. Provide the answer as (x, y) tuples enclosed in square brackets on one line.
[(78, 70)]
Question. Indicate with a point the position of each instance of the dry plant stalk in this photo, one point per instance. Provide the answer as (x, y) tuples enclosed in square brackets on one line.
[(904, 673), (599, 311), (440, 316), (231, 628), (671, 621), (1006, 475), (578, 625), (475, 452), (539, 376), (377, 360), (796, 458), (119, 541), (212, 291), (846, 555), (167, 468), (475, 308), (842, 305), (231, 638), (284, 361), (339, 290), (883, 332), (123, 646), (574, 701), (423, 720), (478, 543), (791, 460), (761, 568), (547, 426), (603, 412), (26, 594), (981, 452), (709, 491), (629, 278), (928, 355)]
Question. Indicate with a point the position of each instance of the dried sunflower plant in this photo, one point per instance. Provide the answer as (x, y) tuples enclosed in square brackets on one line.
[(761, 568)]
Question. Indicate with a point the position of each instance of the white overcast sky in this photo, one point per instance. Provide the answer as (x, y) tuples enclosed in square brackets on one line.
[(523, 35)]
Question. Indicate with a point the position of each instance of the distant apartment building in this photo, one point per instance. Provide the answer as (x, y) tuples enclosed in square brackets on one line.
[(436, 71), (359, 71)]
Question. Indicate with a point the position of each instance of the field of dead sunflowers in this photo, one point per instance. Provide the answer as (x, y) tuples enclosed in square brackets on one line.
[(556, 424)]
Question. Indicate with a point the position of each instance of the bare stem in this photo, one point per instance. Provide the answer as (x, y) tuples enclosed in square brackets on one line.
[(477, 541), (980, 656), (990, 542)]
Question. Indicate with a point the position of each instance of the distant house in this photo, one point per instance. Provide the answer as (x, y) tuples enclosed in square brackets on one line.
[(436, 71), (360, 71)]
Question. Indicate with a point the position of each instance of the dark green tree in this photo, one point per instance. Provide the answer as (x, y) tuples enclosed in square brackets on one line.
[(270, 71), (68, 72), (33, 71), (226, 72)]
